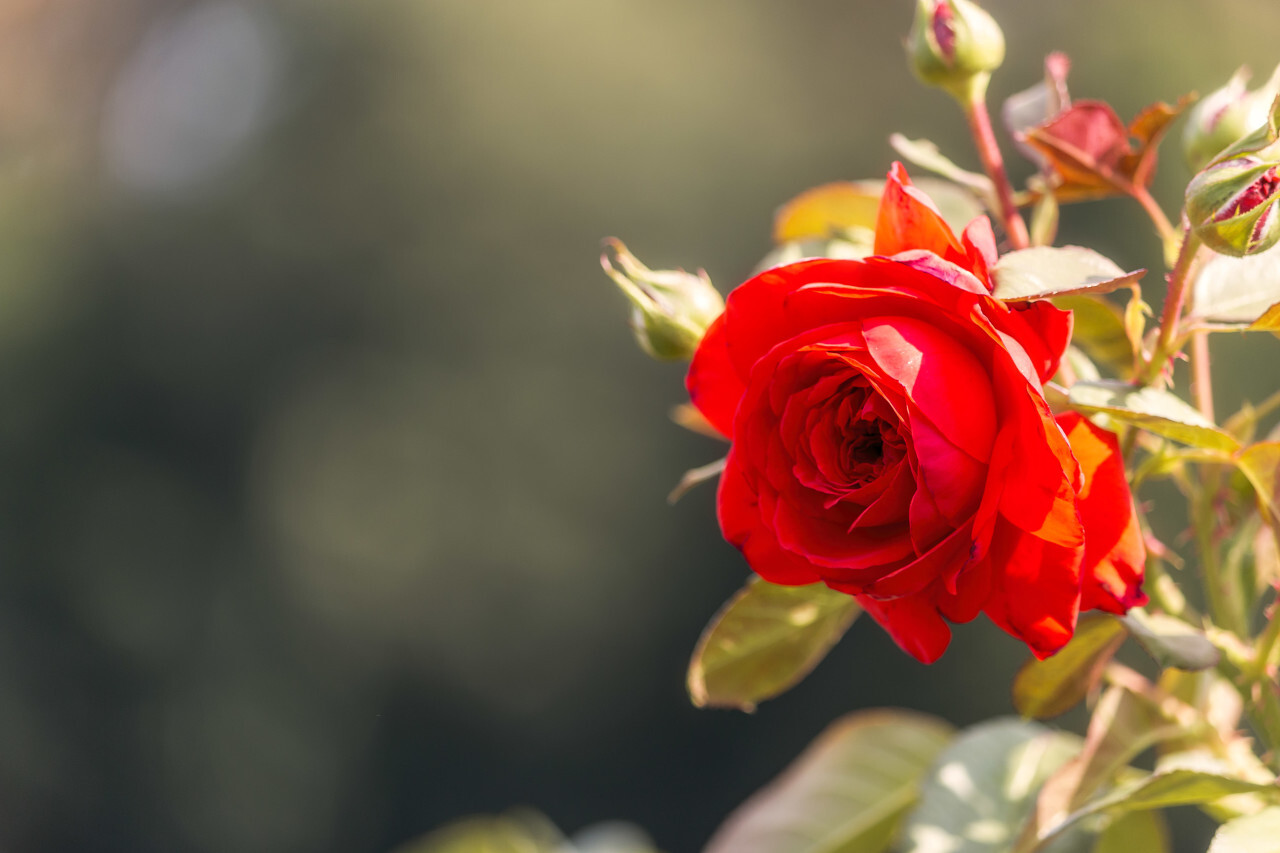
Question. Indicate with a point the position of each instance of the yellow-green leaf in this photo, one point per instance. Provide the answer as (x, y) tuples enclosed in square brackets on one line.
[(1049, 687), (1153, 410), (1256, 833), (847, 792), (765, 640), (1045, 271), (1098, 329), (1268, 322), (833, 210), (1135, 832), (1260, 463), (1170, 641)]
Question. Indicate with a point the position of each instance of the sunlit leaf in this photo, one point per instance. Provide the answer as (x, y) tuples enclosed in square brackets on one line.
[(1153, 410), (1268, 322), (1046, 688), (1135, 832), (765, 640), (983, 786), (1163, 790), (853, 243), (832, 210), (1098, 329), (1257, 833), (1046, 271), (925, 154), (1170, 641), (687, 416), (847, 792), (1260, 463), (1123, 725), (1237, 290)]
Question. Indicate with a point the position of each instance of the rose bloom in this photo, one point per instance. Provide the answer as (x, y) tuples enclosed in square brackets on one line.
[(891, 440)]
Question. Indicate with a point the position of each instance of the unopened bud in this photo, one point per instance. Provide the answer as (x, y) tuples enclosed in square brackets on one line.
[(670, 309), (1232, 206), (1232, 203), (1224, 116), (955, 45)]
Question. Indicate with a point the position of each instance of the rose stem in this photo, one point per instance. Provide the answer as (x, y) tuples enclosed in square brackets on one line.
[(1165, 228), (1174, 300), (1202, 376), (993, 163)]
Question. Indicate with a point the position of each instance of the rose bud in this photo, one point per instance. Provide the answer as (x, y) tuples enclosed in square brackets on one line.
[(1222, 117), (1231, 204), (671, 309), (954, 45)]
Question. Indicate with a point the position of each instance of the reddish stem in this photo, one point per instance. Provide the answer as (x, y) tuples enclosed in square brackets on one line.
[(1174, 300), (993, 163)]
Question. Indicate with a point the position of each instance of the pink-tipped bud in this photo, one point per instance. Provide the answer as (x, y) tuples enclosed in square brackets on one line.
[(954, 45)]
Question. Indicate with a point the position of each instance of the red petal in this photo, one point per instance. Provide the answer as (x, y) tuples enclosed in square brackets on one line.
[(980, 248), (913, 622), (940, 376), (908, 220), (1036, 589), (714, 386), (1044, 330), (739, 513), (1114, 554)]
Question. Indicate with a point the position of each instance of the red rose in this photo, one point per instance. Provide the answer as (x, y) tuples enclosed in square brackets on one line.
[(891, 439)]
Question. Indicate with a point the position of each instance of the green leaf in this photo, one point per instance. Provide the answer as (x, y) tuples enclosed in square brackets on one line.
[(1151, 409), (984, 785), (1046, 271), (1268, 322), (1170, 641), (1257, 833), (1237, 290), (1260, 463), (1164, 790), (925, 154), (515, 832), (1098, 329), (847, 792), (764, 641), (1049, 687), (1135, 832)]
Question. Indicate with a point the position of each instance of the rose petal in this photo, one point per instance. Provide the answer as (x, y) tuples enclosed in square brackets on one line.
[(940, 376), (914, 623), (740, 521), (909, 220), (1115, 554), (714, 386), (1035, 588)]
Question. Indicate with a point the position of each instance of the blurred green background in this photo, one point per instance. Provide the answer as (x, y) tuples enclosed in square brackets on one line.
[(331, 482)]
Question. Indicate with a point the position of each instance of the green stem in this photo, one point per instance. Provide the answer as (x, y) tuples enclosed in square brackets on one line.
[(975, 110)]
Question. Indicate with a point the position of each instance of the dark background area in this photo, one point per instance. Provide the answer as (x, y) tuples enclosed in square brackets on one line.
[(331, 482)]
